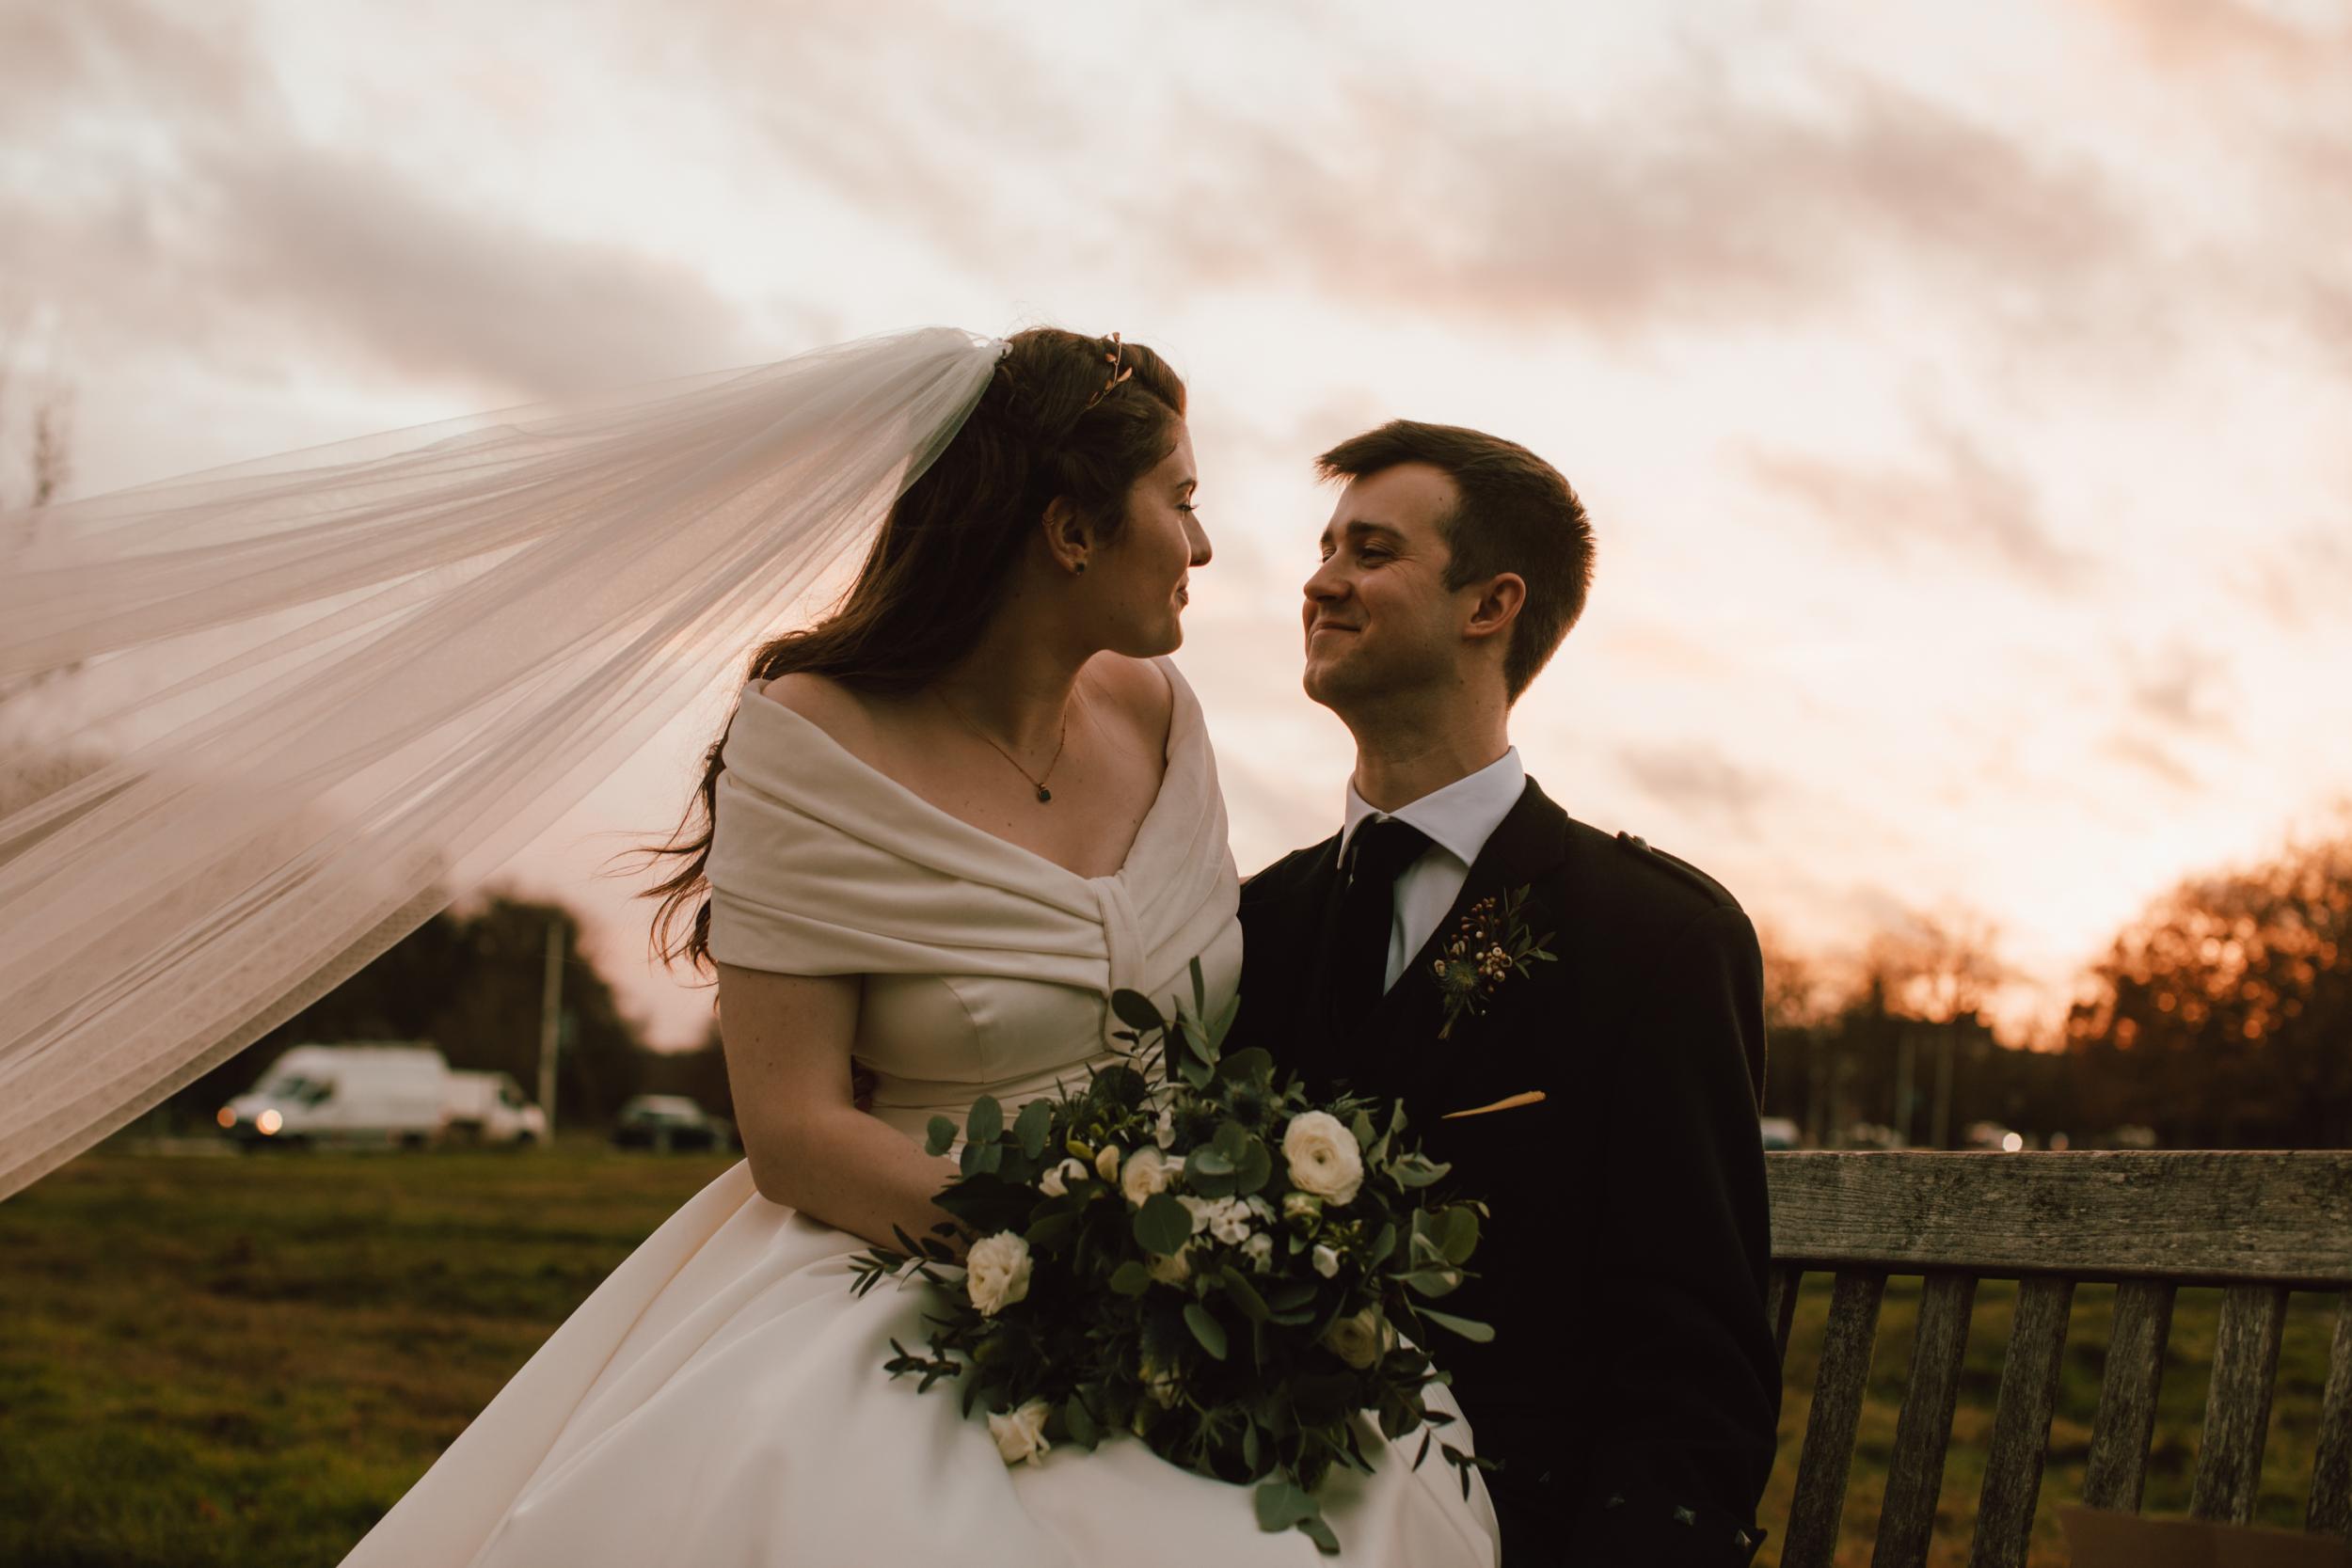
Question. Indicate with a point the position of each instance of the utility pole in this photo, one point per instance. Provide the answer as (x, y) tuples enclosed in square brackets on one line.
[(1944, 1084), (1906, 1047), (551, 1012)]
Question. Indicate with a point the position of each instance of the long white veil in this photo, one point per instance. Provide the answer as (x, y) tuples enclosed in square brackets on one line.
[(258, 725)]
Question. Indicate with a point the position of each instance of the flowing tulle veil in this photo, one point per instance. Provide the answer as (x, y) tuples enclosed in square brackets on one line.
[(258, 724)]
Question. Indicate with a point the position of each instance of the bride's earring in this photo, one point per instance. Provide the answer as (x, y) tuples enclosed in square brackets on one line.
[(1080, 569)]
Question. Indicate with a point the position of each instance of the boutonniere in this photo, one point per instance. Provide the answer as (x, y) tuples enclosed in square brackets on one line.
[(1491, 944)]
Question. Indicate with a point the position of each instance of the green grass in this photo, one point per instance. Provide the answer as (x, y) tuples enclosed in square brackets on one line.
[(245, 1361)]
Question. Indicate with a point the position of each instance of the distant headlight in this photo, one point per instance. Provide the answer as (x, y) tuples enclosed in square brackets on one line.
[(228, 1116), (269, 1122)]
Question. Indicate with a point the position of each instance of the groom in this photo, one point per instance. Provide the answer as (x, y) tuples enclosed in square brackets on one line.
[(1603, 1104)]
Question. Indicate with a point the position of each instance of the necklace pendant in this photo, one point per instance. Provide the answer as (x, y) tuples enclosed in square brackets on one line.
[(1044, 794)]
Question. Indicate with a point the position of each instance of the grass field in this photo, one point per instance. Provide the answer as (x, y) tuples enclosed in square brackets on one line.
[(246, 1360)]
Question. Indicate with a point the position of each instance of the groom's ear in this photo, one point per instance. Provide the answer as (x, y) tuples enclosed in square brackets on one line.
[(1497, 608)]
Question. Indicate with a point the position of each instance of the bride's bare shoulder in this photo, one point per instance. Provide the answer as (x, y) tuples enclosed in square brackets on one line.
[(825, 703), (1138, 690)]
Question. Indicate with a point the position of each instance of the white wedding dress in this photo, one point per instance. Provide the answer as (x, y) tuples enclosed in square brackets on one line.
[(720, 1400)]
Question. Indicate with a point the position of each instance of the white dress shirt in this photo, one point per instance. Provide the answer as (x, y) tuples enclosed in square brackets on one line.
[(1458, 820)]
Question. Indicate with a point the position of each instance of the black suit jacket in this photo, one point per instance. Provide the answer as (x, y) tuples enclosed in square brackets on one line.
[(1632, 1391)]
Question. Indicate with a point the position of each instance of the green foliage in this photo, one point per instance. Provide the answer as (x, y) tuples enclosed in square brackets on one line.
[(1235, 1323)]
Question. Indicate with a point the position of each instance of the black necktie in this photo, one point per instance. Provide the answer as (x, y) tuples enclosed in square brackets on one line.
[(1377, 853)]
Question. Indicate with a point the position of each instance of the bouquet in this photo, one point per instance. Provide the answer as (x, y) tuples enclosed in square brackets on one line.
[(1185, 1249)]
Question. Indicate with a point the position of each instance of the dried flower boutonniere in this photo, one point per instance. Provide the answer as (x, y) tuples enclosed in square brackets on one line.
[(1491, 944)]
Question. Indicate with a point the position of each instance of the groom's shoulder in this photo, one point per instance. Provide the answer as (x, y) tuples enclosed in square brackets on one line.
[(1639, 871), (1289, 874)]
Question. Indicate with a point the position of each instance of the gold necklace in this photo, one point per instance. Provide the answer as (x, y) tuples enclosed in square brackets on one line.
[(1036, 782)]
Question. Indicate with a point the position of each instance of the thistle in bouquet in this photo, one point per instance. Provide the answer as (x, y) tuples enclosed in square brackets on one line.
[(1190, 1250)]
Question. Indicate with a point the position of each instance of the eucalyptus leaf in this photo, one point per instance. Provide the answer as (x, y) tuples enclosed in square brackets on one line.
[(985, 1122), (1245, 1294), (1475, 1332), (1075, 1416), (1257, 1169), (1209, 1162), (1161, 1225), (1033, 1126), (1131, 1278), (1416, 1170), (1136, 1011), (941, 1138), (1253, 1063), (1361, 1126), (983, 1158), (1205, 1328), (1230, 1140), (1281, 1504), (1434, 1282)]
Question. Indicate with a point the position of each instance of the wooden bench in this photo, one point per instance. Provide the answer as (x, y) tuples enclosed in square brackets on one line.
[(2256, 1224)]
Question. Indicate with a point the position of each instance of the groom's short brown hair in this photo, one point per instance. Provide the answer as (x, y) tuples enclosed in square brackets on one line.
[(1516, 514)]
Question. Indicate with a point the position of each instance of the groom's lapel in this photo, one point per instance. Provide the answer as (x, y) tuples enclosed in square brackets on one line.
[(1526, 847)]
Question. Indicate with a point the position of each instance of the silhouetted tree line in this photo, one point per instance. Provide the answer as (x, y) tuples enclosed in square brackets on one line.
[(2220, 1019)]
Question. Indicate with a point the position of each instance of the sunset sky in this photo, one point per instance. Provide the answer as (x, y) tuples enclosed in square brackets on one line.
[(1962, 395)]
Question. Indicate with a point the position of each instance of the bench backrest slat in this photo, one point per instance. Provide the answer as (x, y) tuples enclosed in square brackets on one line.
[(2257, 1223), (2331, 1460), (2020, 1422), (2126, 1422), (1923, 1432), (1823, 1467), (2238, 1406), (2188, 1217)]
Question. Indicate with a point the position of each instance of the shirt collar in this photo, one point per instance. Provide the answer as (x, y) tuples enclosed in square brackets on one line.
[(1458, 818)]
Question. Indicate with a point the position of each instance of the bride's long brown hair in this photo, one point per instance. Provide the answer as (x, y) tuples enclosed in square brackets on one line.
[(1064, 416)]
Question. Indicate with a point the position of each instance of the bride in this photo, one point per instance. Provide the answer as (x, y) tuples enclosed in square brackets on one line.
[(942, 826)]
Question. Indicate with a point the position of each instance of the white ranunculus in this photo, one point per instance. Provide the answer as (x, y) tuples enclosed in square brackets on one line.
[(1107, 1163), (1056, 1183), (1169, 1268), (996, 1271), (1148, 1171), (1361, 1338), (1019, 1433), (1323, 1156), (1258, 1250), (1327, 1261)]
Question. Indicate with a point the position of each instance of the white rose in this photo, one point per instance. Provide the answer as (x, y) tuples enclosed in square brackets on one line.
[(1258, 1250), (1056, 1183), (1107, 1163), (1327, 1261), (1148, 1171), (996, 1271), (1021, 1434), (1169, 1268), (1360, 1339), (1323, 1156)]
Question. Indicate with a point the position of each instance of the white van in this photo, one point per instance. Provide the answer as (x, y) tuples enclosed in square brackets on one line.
[(392, 1093), (490, 1108)]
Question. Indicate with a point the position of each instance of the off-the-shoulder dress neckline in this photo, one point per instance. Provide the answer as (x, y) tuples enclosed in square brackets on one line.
[(1180, 727)]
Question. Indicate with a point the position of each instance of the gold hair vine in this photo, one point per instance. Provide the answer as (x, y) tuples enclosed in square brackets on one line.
[(1119, 372)]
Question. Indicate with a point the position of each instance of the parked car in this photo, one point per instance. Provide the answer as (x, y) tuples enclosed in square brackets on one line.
[(385, 1094), (667, 1121), (490, 1108)]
